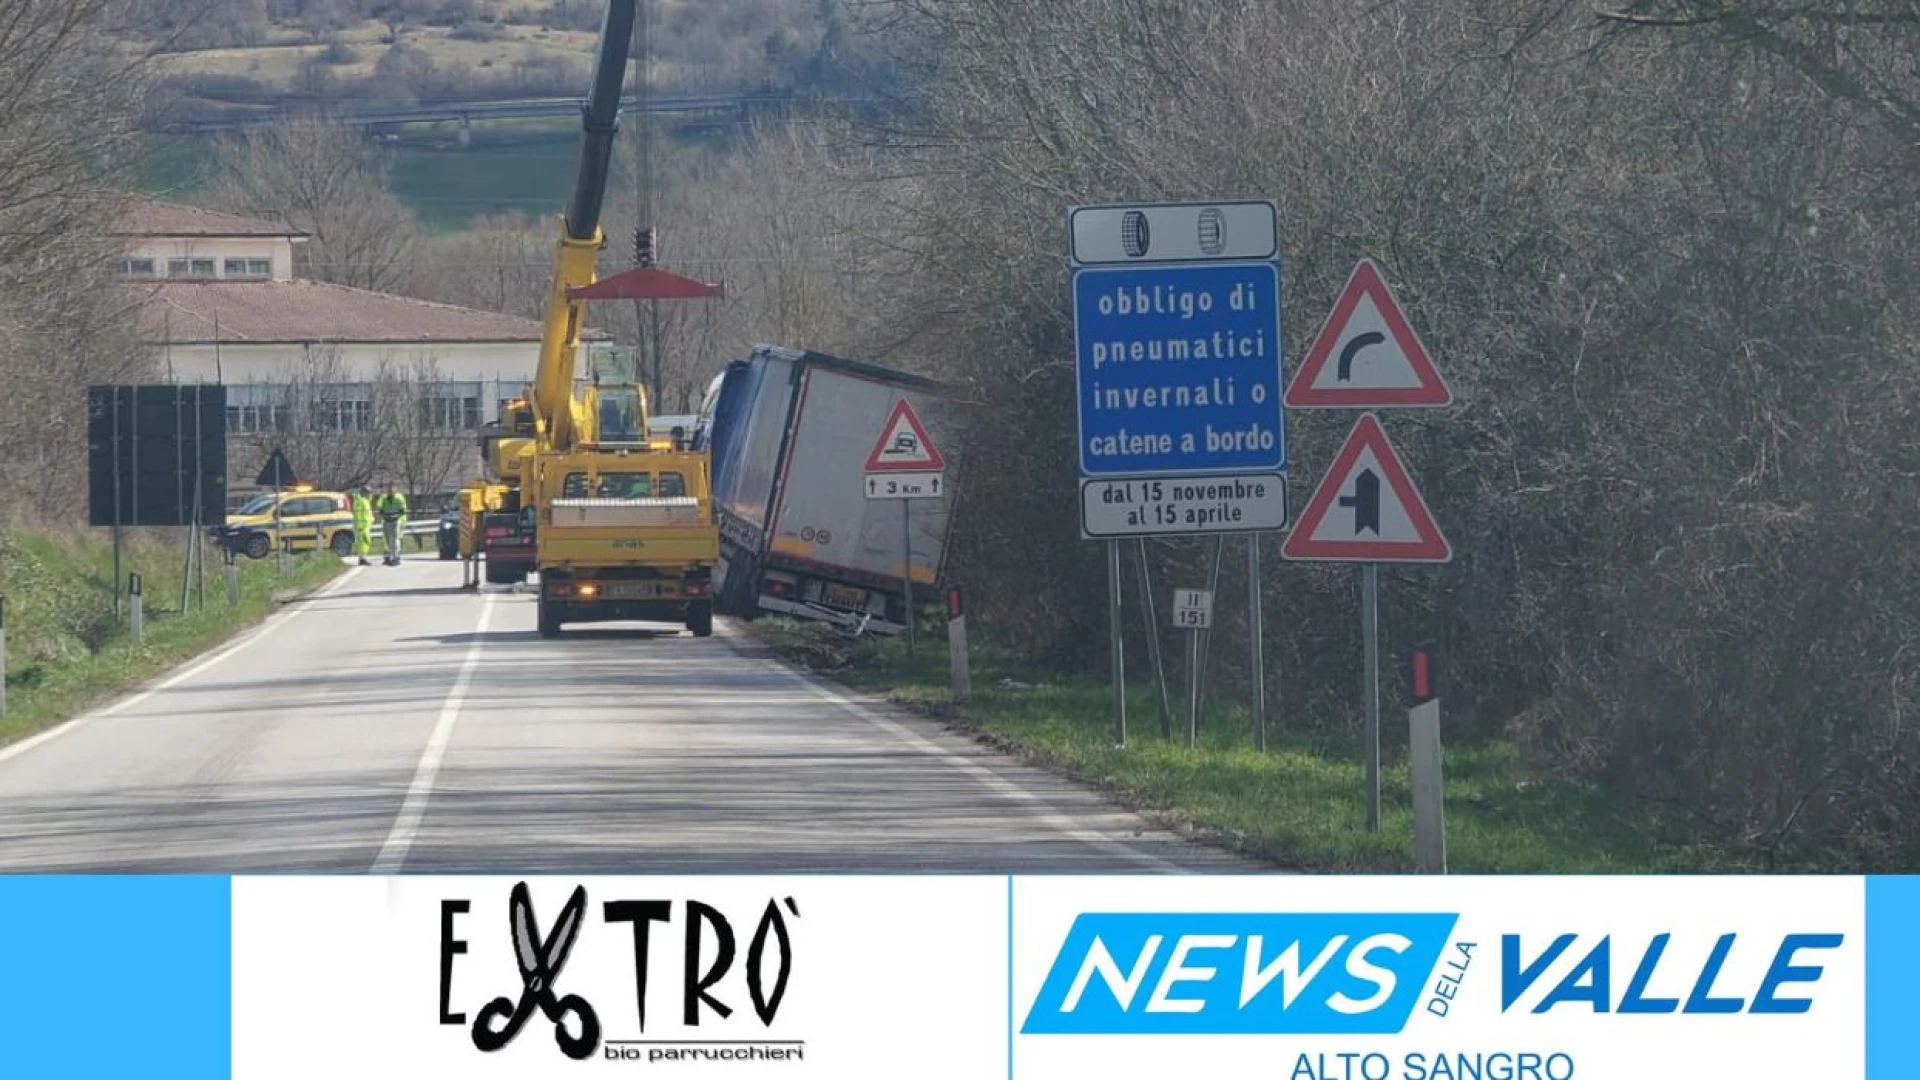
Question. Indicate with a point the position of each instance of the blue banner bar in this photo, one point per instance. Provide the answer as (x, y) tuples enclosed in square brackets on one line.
[(1893, 978), (134, 975), (116, 976)]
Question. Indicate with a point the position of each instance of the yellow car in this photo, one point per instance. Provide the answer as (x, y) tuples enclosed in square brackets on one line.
[(306, 519)]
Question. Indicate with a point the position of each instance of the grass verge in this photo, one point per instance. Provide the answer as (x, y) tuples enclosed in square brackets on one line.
[(1300, 804), (66, 652)]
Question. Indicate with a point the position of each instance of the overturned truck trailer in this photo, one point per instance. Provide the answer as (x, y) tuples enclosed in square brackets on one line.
[(789, 432)]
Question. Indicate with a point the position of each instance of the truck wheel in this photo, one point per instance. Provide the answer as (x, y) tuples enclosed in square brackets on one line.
[(700, 619), (501, 574), (258, 546), (549, 619)]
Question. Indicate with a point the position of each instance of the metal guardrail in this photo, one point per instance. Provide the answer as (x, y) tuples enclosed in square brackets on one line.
[(434, 112)]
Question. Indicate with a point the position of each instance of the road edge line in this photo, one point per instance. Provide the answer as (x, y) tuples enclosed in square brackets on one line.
[(1038, 806), (413, 809), (180, 675)]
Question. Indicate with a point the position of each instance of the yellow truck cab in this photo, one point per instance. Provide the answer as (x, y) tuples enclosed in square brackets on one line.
[(303, 518)]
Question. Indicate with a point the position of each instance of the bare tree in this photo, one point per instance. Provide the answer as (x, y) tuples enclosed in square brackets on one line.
[(1672, 282), (325, 179), (70, 102), (426, 426), (321, 414)]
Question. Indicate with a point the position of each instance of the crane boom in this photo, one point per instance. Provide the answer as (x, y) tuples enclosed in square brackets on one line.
[(581, 238), (601, 120)]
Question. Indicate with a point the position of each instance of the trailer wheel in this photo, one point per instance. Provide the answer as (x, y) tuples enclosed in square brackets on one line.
[(738, 597), (700, 619)]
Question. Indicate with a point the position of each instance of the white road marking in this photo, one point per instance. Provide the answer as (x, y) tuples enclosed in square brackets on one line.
[(273, 622), (407, 825), (1042, 810)]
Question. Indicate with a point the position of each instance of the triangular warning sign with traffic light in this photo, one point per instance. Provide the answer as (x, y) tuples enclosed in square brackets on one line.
[(1366, 355), (1367, 509), (904, 445)]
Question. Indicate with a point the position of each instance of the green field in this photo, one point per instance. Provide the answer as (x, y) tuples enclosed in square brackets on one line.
[(66, 652), (1300, 804), (444, 184), (518, 167)]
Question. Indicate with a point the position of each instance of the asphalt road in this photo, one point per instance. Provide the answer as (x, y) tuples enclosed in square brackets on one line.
[(393, 724)]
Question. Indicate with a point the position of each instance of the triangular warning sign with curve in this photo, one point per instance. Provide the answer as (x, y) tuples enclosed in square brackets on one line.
[(904, 445), (1366, 355), (1367, 509)]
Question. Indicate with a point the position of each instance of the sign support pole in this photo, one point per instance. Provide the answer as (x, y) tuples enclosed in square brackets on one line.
[(193, 535), (1153, 642), (1119, 645), (199, 518), (3, 656), (906, 571), (1254, 634), (1370, 644)]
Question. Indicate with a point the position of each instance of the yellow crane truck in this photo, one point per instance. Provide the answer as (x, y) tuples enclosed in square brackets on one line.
[(622, 524)]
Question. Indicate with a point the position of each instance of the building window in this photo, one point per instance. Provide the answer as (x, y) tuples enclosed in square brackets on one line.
[(136, 268), (449, 413), (190, 268), (343, 415), (249, 268), (256, 418)]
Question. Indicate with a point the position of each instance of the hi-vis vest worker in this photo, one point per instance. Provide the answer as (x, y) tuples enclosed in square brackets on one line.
[(363, 524), (392, 508)]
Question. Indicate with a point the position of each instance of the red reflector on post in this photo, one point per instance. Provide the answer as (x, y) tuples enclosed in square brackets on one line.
[(954, 609), (1420, 688)]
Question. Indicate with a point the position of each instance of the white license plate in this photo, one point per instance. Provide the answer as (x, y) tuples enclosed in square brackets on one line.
[(630, 592), (847, 595)]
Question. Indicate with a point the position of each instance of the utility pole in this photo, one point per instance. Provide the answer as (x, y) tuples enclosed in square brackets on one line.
[(646, 320)]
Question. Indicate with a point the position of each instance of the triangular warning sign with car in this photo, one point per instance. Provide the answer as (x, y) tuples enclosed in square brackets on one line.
[(1366, 355), (1367, 509), (904, 445)]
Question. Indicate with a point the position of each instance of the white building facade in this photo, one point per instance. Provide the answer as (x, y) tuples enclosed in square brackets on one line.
[(220, 304)]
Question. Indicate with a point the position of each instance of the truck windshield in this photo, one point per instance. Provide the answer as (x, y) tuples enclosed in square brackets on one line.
[(635, 485), (619, 415), (625, 485)]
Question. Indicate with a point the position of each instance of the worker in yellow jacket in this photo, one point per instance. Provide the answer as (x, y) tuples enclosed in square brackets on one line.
[(392, 508), (363, 523)]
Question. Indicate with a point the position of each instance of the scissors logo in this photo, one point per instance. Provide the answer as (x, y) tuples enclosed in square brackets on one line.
[(540, 963)]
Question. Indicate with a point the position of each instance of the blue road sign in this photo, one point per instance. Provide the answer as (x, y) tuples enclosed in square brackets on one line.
[(1179, 369)]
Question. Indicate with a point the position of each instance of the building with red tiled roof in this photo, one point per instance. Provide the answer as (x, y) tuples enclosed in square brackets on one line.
[(219, 303), (259, 313), (151, 217)]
